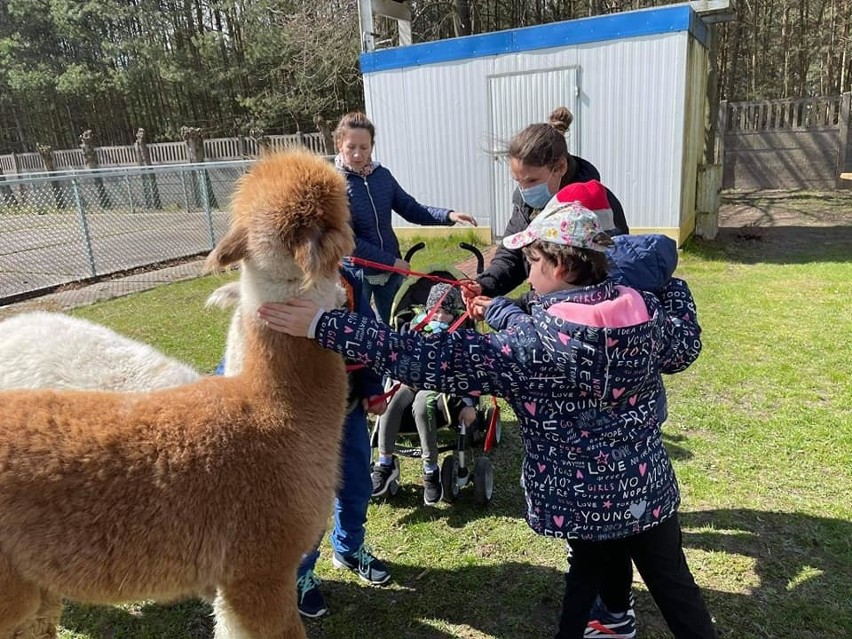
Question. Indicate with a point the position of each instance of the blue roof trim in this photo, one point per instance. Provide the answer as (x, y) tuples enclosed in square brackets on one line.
[(698, 28), (572, 32)]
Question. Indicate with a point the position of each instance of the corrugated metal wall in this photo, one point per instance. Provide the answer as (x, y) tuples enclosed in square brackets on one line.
[(435, 130)]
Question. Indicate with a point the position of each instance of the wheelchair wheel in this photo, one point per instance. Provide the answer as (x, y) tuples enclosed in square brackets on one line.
[(498, 427), (450, 478), (483, 480)]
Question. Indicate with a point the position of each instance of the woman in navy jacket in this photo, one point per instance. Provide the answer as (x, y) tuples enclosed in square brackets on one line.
[(373, 195)]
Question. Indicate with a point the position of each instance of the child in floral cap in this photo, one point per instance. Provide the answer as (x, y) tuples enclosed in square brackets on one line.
[(583, 373)]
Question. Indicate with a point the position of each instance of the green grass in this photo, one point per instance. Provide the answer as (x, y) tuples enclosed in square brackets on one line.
[(760, 430)]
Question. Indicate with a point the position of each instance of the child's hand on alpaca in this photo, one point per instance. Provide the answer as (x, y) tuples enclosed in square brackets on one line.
[(375, 404), (293, 317)]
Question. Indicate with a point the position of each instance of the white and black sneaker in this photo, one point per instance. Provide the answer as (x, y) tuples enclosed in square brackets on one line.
[(433, 491), (310, 599), (383, 475)]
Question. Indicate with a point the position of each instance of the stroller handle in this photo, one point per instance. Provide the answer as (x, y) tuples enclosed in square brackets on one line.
[(410, 252), (480, 261)]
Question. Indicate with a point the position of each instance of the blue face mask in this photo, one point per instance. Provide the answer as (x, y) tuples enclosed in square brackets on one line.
[(434, 326), (537, 196)]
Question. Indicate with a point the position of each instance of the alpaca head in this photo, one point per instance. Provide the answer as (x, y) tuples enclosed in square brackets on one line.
[(290, 221)]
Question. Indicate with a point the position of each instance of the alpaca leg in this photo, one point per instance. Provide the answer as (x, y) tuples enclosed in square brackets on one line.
[(45, 624), (19, 600), (258, 610)]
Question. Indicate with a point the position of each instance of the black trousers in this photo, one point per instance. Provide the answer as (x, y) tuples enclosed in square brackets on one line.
[(599, 566)]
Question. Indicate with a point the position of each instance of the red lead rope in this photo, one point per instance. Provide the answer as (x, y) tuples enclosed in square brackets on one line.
[(491, 434), (402, 271)]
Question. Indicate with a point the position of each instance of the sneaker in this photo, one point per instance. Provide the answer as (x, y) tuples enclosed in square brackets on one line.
[(364, 564), (382, 476), (310, 599), (604, 625), (433, 491)]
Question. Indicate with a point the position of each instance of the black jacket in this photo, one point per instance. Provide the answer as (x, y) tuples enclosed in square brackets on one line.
[(508, 268)]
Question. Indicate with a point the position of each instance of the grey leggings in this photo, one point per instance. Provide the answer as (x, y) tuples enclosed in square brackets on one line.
[(425, 405)]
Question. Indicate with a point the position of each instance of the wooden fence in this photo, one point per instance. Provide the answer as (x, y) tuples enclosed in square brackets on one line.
[(786, 144), (216, 149)]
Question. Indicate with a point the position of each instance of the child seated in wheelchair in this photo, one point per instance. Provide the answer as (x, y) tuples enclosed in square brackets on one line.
[(430, 409)]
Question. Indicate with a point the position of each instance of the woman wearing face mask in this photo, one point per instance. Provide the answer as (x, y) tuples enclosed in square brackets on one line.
[(541, 166)]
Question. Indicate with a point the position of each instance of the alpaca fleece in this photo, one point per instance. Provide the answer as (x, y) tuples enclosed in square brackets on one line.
[(221, 484), (52, 350)]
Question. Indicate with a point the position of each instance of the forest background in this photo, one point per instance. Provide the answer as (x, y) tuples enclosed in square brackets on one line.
[(230, 66)]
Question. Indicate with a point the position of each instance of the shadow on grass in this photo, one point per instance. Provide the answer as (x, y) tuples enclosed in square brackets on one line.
[(803, 566), (674, 444), (802, 589), (190, 619), (502, 600), (776, 245)]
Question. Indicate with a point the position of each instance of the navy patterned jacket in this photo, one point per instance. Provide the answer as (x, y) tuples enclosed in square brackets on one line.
[(583, 375), (371, 200)]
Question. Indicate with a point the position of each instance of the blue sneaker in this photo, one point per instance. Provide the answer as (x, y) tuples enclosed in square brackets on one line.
[(364, 564), (311, 601), (603, 624)]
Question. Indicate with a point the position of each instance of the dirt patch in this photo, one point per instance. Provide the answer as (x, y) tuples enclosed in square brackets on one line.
[(784, 227), (785, 208)]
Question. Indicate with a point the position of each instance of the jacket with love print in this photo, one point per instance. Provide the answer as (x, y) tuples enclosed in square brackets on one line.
[(583, 375)]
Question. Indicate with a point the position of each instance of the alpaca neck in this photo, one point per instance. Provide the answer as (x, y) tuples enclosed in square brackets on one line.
[(258, 287), (262, 352)]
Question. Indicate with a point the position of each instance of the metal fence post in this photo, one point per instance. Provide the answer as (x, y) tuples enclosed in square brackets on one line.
[(84, 226), (843, 143), (129, 193), (208, 214), (183, 189)]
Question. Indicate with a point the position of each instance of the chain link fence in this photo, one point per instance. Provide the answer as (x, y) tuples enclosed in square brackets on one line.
[(68, 227)]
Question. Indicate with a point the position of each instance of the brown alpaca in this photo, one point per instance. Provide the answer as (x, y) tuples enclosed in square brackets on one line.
[(221, 484)]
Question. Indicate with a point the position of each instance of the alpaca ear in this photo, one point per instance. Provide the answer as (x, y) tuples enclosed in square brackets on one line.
[(231, 249)]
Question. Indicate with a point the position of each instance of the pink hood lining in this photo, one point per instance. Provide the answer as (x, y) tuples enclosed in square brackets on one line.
[(628, 309)]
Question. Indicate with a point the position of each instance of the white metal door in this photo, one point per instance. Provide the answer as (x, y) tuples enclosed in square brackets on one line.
[(516, 101)]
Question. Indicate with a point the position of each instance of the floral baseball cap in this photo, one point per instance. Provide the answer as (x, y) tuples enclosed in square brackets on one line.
[(568, 224)]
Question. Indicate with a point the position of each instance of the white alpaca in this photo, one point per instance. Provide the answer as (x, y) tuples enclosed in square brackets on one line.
[(51, 350), (223, 483), (225, 297)]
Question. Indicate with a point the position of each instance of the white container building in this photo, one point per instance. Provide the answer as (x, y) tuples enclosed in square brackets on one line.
[(636, 83)]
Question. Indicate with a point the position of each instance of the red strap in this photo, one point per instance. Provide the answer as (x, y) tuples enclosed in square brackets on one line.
[(387, 394), (458, 322), (431, 312), (491, 435), (358, 261), (489, 441)]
